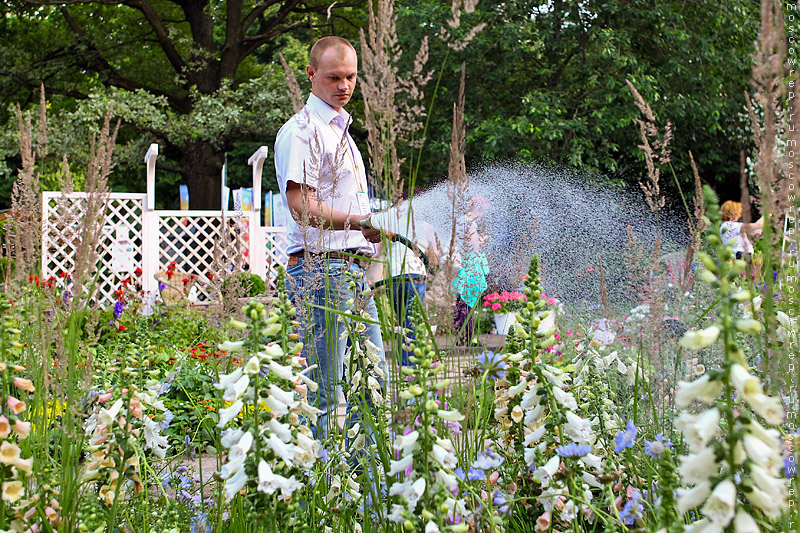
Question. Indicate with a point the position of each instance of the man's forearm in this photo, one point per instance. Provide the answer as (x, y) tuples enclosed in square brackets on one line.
[(306, 208)]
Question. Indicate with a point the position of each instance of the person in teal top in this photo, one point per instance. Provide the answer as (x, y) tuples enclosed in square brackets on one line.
[(471, 279)]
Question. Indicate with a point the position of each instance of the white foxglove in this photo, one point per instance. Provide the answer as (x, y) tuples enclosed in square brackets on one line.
[(704, 389), (699, 339), (721, 505), (768, 407), (744, 523), (745, 382), (699, 467), (771, 507), (694, 497), (698, 429), (762, 453), (227, 414)]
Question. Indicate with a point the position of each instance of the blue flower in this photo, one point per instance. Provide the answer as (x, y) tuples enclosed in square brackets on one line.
[(493, 365), (632, 510), (625, 439), (459, 473), (487, 460), (475, 474), (657, 447), (573, 450), (789, 466), (168, 416), (501, 502), (119, 307)]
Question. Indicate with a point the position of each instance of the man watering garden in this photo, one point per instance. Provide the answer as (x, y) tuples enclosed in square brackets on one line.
[(322, 180)]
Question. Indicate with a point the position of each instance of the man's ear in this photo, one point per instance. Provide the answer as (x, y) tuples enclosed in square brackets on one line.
[(310, 72)]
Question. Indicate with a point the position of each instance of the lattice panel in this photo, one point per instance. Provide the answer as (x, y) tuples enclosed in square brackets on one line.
[(203, 245), (277, 243), (118, 246)]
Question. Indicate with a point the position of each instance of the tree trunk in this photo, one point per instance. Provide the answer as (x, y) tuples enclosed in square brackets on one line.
[(202, 168)]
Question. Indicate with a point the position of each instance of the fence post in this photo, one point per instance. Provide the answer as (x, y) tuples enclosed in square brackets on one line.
[(258, 254), (150, 242)]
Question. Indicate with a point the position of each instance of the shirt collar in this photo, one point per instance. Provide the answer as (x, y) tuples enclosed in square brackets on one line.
[(326, 112)]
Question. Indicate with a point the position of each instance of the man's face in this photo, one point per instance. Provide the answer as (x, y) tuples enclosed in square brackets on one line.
[(334, 79)]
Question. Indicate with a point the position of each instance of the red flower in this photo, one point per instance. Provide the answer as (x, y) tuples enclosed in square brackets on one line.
[(121, 327), (210, 276), (138, 271), (33, 278)]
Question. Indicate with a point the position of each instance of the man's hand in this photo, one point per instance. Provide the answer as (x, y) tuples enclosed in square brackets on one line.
[(372, 235)]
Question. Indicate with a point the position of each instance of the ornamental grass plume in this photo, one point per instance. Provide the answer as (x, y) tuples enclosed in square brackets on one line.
[(424, 489), (270, 446), (731, 452)]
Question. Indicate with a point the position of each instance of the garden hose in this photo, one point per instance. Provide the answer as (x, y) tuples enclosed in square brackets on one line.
[(396, 237)]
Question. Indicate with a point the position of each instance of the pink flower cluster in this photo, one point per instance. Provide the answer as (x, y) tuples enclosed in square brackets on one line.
[(504, 302)]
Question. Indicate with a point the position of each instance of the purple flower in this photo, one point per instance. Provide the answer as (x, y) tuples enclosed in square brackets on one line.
[(625, 439), (475, 474), (487, 460), (632, 510), (493, 365), (573, 450), (789, 466), (501, 502), (119, 307), (459, 473), (657, 447)]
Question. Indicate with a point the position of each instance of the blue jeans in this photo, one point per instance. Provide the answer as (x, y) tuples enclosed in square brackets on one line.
[(404, 289), (324, 283)]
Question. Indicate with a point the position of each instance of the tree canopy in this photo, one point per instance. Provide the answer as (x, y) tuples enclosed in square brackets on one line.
[(546, 81)]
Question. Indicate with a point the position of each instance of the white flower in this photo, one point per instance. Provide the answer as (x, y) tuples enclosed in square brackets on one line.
[(534, 415), (406, 442), (535, 436), (565, 398), (108, 416), (768, 407), (282, 371), (233, 391), (698, 467), (721, 505), (310, 411), (231, 346), (283, 431), (748, 325), (431, 527), (231, 436), (704, 389), (453, 416), (154, 440), (762, 453), (702, 526), (395, 467), (579, 429), (252, 367), (771, 507), (698, 429), (769, 436), (745, 382), (234, 484), (443, 457), (518, 388), (592, 461), (692, 498), (266, 478), (744, 523), (227, 414), (449, 481), (531, 398), (284, 451), (229, 379), (773, 486), (545, 473), (699, 339)]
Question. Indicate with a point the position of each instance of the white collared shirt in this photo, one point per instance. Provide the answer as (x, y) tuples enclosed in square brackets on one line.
[(309, 149)]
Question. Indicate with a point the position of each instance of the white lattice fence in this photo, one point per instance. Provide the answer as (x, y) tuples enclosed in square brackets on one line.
[(119, 247)]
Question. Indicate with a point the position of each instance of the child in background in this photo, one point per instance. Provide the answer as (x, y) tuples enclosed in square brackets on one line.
[(734, 232)]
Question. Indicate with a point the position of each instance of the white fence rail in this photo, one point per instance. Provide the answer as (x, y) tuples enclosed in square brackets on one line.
[(135, 237)]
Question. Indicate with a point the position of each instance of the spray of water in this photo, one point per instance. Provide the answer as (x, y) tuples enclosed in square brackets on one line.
[(566, 218)]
